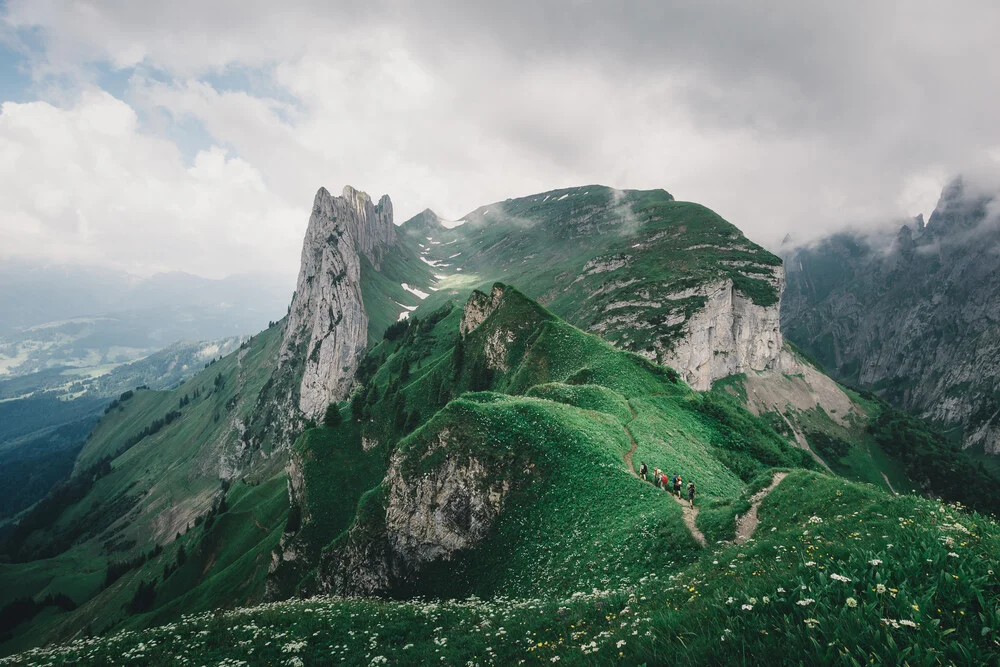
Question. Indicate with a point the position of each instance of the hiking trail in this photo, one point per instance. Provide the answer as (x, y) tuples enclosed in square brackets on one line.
[(690, 513), (690, 518), (628, 455), (747, 524)]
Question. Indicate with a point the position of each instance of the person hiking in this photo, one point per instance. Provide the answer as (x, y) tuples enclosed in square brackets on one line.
[(656, 477), (677, 485), (691, 493), (642, 470), (664, 481)]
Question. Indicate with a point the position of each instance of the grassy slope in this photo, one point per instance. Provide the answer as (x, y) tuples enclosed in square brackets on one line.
[(156, 489), (543, 243), (774, 597), (557, 425)]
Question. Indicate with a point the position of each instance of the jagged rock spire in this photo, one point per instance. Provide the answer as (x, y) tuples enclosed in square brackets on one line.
[(327, 326)]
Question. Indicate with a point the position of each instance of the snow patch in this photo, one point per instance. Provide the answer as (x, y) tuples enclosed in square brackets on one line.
[(563, 197), (416, 292)]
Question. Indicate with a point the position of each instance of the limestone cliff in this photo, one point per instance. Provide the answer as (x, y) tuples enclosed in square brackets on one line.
[(426, 517), (730, 334), (327, 323)]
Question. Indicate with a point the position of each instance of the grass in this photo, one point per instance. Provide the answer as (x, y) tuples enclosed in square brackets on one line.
[(839, 571)]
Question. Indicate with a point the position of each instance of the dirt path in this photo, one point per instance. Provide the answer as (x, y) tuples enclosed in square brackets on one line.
[(631, 451), (747, 524), (690, 519), (690, 513)]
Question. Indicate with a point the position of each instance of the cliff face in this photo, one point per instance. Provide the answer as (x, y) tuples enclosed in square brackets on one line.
[(730, 334), (327, 323), (425, 519), (913, 317)]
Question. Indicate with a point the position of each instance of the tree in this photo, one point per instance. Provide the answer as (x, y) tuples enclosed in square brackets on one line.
[(332, 418), (358, 406)]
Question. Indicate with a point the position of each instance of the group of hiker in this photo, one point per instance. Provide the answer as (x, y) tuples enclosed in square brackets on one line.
[(673, 483)]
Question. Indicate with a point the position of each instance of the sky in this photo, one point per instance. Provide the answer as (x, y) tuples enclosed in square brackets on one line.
[(192, 136)]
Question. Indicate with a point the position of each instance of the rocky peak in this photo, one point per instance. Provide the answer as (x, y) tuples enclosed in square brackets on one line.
[(479, 307), (961, 207), (327, 325), (369, 225)]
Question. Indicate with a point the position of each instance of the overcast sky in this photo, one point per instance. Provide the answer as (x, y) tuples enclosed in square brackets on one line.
[(192, 135)]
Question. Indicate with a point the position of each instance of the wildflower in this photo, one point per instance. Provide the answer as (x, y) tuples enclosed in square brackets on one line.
[(875, 561), (752, 600), (766, 600), (805, 603), (815, 519), (880, 588), (810, 563), (909, 624), (555, 658), (840, 577), (620, 643), (915, 607), (811, 622), (851, 602), (730, 601), (747, 607), (952, 554), (781, 590)]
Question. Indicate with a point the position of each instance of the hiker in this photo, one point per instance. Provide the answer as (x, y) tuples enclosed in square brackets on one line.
[(677, 485), (656, 477), (642, 470), (664, 481), (691, 493)]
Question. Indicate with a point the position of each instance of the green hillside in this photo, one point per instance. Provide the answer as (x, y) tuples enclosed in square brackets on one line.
[(624, 263), (562, 420), (476, 498), (838, 571)]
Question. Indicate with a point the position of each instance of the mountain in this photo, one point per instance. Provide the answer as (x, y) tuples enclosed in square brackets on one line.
[(669, 280), (462, 412), (45, 417), (912, 317)]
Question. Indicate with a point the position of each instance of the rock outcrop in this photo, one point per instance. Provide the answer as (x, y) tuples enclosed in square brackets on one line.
[(433, 516), (478, 307), (428, 517), (327, 325), (730, 334)]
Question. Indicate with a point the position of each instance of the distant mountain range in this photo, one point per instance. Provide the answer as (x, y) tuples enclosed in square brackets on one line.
[(913, 316), (82, 317)]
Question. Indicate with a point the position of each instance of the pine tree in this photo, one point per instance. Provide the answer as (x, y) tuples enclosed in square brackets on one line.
[(332, 418)]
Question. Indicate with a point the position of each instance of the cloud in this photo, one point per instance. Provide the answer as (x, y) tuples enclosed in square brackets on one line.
[(782, 116), (83, 184)]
